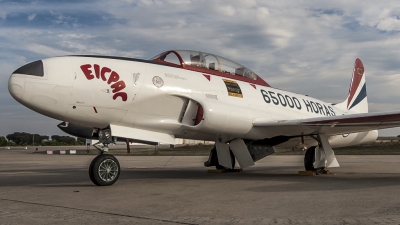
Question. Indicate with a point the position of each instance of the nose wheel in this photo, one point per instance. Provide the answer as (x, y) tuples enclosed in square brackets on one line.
[(104, 170)]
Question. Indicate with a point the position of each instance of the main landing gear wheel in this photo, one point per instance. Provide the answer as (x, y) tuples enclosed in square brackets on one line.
[(233, 162), (104, 170), (309, 159), (213, 160)]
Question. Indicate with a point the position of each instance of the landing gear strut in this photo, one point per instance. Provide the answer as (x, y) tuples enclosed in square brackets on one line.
[(213, 160), (104, 170)]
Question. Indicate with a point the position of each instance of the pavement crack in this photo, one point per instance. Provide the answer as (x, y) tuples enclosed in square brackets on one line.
[(101, 212)]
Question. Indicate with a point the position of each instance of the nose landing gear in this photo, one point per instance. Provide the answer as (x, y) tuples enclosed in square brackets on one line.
[(104, 169)]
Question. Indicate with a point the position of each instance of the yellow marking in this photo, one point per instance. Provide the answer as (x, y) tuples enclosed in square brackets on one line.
[(235, 94), (230, 81), (233, 90)]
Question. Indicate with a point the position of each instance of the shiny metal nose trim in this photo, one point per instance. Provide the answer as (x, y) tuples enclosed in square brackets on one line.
[(33, 68)]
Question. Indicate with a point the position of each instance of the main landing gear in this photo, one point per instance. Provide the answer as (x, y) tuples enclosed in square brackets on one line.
[(317, 158), (309, 159), (213, 160), (104, 170)]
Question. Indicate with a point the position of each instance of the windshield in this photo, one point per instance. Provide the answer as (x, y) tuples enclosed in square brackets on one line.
[(206, 61)]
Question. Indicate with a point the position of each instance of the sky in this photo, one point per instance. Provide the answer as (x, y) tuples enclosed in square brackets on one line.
[(307, 47)]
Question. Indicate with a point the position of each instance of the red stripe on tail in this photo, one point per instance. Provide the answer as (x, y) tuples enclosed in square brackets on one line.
[(358, 72)]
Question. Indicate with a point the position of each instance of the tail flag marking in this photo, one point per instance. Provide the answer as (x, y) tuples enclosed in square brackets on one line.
[(358, 74)]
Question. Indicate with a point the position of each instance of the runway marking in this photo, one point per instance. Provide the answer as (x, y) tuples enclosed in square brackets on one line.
[(94, 211), (26, 173), (14, 173)]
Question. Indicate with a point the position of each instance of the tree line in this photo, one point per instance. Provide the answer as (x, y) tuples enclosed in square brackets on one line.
[(24, 139)]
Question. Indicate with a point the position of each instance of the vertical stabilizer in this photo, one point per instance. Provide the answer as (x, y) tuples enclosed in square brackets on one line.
[(356, 101)]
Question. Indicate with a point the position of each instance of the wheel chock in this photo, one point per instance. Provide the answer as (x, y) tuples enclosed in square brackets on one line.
[(235, 170), (225, 171), (307, 173), (326, 172), (216, 171), (313, 173)]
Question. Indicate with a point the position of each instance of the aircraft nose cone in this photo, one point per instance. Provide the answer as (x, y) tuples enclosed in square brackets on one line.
[(16, 83), (16, 86)]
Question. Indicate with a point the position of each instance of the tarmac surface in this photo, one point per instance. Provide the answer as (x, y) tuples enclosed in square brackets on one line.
[(56, 189)]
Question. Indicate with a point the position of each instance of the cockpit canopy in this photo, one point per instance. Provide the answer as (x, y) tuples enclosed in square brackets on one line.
[(207, 63)]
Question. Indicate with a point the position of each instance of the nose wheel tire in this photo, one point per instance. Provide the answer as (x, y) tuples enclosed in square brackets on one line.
[(104, 170)]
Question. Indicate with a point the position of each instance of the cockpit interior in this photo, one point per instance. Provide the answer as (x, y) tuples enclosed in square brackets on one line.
[(208, 63)]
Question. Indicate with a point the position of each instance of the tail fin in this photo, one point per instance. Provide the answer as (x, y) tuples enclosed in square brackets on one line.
[(356, 101)]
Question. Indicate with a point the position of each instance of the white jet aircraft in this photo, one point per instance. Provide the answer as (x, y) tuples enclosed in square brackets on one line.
[(192, 95)]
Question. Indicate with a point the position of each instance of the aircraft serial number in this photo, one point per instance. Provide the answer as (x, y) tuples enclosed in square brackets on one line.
[(271, 97)]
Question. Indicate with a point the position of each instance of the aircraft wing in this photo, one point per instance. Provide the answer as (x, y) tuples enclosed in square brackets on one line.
[(330, 125)]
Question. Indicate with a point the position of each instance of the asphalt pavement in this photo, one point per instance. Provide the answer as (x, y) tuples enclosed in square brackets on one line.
[(56, 189)]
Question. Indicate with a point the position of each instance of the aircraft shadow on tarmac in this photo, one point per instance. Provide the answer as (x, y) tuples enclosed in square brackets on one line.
[(293, 182), (267, 179)]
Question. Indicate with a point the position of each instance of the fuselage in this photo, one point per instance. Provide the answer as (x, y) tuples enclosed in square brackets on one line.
[(143, 94)]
